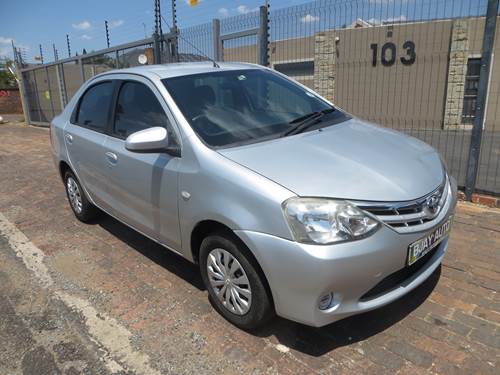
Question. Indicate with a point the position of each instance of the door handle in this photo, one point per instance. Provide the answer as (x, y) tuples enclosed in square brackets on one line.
[(112, 158), (69, 138)]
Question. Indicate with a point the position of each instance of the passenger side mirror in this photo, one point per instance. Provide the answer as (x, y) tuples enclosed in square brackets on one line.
[(148, 140)]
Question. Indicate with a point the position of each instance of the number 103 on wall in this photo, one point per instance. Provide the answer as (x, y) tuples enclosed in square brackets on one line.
[(388, 53)]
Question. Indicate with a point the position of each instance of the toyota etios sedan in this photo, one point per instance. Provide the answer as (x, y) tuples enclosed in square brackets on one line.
[(288, 204)]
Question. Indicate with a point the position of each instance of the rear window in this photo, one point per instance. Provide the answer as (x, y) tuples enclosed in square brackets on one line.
[(93, 110)]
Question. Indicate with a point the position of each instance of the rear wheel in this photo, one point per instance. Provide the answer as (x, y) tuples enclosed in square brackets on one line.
[(81, 206), (232, 279)]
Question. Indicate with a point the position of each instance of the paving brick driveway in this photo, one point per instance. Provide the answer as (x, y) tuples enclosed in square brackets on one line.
[(125, 305)]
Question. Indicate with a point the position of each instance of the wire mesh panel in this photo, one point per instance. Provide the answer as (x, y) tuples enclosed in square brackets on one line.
[(72, 78), (42, 92), (99, 64), (31, 92), (488, 179), (42, 95), (245, 21), (292, 39), (398, 63), (244, 48), (53, 76), (196, 43)]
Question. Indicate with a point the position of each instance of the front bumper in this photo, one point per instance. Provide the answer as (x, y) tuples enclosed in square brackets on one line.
[(299, 274)]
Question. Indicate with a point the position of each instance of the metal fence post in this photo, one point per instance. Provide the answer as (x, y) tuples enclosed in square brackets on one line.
[(156, 49), (175, 31), (482, 92), (175, 44), (216, 39), (157, 34), (50, 92), (63, 95), (23, 93), (37, 96), (82, 70), (263, 36)]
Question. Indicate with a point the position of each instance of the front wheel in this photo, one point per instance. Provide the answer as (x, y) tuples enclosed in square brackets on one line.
[(232, 279)]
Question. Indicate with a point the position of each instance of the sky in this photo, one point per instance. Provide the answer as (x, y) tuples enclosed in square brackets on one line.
[(32, 22)]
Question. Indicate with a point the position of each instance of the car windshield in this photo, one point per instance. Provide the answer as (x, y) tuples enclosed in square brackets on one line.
[(235, 107)]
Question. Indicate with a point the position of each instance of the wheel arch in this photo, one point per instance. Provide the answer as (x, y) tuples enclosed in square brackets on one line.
[(206, 228), (63, 168)]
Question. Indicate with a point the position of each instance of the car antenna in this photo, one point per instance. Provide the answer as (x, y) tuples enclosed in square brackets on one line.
[(192, 45)]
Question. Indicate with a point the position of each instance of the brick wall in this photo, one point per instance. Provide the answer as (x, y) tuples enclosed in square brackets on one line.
[(10, 101), (324, 66), (457, 70)]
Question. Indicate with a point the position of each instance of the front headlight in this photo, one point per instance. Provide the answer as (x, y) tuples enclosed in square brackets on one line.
[(326, 221)]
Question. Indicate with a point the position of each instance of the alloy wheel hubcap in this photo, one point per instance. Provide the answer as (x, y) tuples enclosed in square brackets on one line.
[(229, 281), (75, 198)]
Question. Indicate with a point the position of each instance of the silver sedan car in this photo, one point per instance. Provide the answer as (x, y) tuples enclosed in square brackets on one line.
[(289, 205)]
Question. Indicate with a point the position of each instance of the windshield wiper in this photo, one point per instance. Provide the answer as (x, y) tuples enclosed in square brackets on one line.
[(303, 122)]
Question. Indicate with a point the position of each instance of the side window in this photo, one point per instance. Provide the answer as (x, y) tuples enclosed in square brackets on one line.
[(94, 107), (137, 109)]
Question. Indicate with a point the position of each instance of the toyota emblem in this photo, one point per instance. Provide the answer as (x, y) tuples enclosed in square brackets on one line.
[(432, 205)]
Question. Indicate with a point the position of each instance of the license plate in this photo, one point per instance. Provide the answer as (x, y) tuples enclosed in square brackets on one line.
[(419, 248)]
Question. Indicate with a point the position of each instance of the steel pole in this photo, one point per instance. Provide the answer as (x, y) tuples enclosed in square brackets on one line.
[(482, 93), (263, 36)]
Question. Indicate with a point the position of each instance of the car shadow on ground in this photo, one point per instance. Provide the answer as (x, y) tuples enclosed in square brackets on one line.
[(308, 340), (165, 258)]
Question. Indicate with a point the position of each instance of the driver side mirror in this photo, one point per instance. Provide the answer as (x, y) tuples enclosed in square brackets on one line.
[(148, 140)]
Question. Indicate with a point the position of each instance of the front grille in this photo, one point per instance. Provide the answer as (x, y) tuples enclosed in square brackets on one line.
[(409, 216), (397, 278)]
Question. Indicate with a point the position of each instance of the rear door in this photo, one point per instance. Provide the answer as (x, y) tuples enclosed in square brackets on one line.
[(84, 138), (142, 186)]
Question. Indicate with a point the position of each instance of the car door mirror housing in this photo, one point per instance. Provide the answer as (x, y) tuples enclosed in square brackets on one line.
[(148, 140)]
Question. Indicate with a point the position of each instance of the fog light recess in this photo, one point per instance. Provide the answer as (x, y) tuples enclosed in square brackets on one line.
[(325, 301)]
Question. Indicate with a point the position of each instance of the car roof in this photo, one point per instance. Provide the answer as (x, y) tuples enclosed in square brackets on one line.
[(182, 69)]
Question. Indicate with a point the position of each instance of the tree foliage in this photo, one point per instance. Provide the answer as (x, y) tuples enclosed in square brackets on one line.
[(7, 79)]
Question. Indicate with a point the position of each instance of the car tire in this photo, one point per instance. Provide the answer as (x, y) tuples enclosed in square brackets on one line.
[(260, 309), (83, 209)]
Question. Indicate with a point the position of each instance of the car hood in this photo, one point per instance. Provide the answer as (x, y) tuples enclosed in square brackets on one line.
[(352, 160)]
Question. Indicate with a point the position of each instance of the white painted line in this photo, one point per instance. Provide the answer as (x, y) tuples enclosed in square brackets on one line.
[(106, 331), (31, 255)]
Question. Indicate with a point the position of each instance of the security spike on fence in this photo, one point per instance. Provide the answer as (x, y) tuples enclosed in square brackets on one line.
[(41, 53), (174, 13), (107, 32), (67, 43), (159, 16), (14, 51), (55, 52)]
